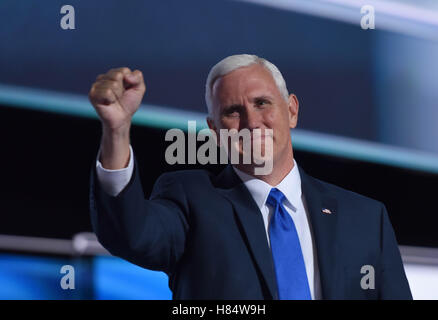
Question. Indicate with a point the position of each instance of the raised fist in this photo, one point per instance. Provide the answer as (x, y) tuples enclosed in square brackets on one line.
[(116, 96)]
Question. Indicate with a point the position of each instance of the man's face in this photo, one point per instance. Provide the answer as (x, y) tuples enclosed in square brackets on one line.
[(249, 98)]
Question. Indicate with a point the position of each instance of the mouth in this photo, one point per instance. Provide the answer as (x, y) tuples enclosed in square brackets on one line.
[(261, 136)]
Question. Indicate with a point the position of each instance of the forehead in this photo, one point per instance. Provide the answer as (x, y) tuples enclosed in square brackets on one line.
[(250, 81)]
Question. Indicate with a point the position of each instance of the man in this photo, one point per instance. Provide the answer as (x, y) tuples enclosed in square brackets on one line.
[(237, 235)]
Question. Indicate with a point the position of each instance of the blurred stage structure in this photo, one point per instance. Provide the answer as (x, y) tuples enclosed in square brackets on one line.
[(102, 276)]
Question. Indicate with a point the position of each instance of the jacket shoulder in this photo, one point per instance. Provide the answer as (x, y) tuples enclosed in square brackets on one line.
[(346, 196), (186, 176)]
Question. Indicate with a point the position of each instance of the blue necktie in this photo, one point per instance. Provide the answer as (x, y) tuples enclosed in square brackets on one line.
[(286, 251)]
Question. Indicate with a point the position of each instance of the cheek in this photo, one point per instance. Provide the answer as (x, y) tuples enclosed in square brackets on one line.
[(278, 121), (275, 118), (269, 116)]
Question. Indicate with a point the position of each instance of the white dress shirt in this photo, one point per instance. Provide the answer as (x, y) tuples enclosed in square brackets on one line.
[(114, 181), (294, 204)]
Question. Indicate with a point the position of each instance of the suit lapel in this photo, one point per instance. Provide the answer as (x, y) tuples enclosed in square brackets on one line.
[(251, 223), (324, 216), (323, 225)]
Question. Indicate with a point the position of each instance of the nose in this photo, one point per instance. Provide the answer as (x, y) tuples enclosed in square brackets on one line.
[(252, 119)]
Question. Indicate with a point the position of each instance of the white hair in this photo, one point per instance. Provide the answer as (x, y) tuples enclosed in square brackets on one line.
[(234, 62)]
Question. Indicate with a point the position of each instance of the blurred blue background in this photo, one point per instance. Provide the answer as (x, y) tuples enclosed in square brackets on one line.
[(378, 85), (38, 277), (119, 279), (369, 95)]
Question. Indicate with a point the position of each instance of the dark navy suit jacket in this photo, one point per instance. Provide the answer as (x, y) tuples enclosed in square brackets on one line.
[(207, 233)]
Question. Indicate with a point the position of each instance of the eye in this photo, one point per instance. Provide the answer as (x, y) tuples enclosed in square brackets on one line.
[(261, 102), (232, 112)]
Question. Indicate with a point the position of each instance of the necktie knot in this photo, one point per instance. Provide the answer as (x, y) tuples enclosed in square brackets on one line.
[(275, 197)]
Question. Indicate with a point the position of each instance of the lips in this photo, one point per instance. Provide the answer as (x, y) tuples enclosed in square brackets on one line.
[(260, 136)]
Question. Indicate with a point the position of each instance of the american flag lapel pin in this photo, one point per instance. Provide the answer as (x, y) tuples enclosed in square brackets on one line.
[(326, 211)]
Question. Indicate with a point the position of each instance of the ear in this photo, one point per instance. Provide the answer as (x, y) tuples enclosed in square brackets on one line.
[(213, 129), (293, 107)]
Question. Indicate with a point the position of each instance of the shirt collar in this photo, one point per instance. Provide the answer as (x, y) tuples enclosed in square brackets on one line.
[(290, 186)]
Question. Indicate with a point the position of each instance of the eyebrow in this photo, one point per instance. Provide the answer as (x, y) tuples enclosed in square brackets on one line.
[(238, 105), (233, 107), (263, 97)]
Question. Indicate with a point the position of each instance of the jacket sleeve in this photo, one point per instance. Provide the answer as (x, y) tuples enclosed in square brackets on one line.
[(151, 232), (394, 284)]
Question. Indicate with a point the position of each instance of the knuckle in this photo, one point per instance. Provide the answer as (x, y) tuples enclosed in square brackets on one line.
[(115, 85), (97, 85), (117, 75)]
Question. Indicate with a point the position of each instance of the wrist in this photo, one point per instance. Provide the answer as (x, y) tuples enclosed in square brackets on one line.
[(116, 134), (115, 148)]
